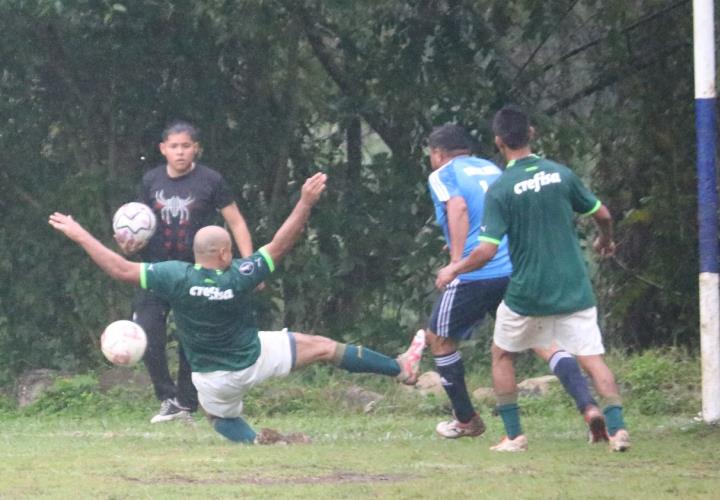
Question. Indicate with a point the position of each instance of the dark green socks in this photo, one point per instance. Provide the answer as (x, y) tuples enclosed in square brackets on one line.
[(234, 429), (358, 359), (510, 413)]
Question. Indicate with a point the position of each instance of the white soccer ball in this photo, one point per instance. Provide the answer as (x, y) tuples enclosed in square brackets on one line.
[(134, 223), (123, 342)]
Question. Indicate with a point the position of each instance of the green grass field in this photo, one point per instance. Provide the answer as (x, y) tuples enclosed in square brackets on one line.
[(353, 455)]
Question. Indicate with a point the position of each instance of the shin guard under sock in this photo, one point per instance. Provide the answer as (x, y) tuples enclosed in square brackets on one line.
[(358, 359), (451, 369)]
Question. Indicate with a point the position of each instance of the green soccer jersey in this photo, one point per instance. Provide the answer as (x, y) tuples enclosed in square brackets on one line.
[(534, 202), (216, 324)]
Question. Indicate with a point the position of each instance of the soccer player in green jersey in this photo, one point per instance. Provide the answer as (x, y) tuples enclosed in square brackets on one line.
[(549, 298), (211, 301)]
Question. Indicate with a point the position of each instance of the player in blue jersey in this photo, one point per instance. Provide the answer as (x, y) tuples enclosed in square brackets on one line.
[(458, 185)]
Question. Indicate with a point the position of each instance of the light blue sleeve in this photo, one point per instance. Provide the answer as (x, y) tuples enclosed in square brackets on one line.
[(444, 184)]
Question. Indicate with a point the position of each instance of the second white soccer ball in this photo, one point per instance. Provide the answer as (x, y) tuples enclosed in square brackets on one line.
[(123, 342), (134, 223)]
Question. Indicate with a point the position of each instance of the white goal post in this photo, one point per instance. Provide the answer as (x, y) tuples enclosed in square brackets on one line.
[(706, 126)]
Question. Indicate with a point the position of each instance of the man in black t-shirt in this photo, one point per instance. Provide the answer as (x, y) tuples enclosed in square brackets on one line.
[(185, 197)]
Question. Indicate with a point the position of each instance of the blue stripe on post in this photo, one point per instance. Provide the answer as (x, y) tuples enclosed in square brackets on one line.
[(705, 122)]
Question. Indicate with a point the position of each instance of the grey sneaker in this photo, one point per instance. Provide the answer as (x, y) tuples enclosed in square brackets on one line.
[(170, 409)]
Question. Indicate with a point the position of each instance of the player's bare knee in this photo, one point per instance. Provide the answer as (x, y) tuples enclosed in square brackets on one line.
[(500, 355), (317, 347), (440, 345), (326, 348)]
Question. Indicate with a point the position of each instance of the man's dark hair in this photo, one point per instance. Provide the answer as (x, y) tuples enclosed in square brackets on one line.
[(450, 137), (511, 124), (178, 127)]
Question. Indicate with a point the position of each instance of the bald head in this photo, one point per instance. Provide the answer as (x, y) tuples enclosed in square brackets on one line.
[(208, 243)]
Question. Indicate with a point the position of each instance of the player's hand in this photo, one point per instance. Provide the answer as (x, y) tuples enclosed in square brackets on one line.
[(445, 276), (604, 247), (129, 246), (67, 225), (313, 188)]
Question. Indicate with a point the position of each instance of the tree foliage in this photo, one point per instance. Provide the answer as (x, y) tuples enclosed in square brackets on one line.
[(282, 88)]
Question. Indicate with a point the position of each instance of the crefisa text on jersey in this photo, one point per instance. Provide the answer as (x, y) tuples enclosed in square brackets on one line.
[(211, 292), (537, 182)]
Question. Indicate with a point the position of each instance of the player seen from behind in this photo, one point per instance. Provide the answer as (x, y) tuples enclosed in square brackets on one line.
[(549, 298), (458, 185)]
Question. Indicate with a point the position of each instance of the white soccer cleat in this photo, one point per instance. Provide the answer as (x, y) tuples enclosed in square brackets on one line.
[(409, 361), (620, 441), (520, 443)]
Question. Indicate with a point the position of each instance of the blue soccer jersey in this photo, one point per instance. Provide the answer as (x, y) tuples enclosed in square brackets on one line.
[(470, 178)]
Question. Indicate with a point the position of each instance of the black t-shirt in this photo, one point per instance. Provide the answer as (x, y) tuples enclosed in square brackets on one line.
[(182, 205)]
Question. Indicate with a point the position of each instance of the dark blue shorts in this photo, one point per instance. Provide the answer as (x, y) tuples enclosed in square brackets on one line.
[(464, 304)]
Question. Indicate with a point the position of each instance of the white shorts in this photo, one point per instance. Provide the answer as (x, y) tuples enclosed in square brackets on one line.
[(577, 332), (221, 392)]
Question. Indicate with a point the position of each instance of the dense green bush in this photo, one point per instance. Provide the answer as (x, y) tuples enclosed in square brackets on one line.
[(657, 382), (81, 395), (661, 382)]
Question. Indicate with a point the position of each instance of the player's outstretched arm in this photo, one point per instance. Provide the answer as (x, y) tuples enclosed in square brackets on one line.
[(115, 265), (287, 235)]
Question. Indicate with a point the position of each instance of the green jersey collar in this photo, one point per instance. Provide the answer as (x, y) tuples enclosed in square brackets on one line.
[(217, 271), (530, 157)]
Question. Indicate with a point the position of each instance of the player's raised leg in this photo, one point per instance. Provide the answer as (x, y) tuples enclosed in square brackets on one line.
[(357, 359)]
